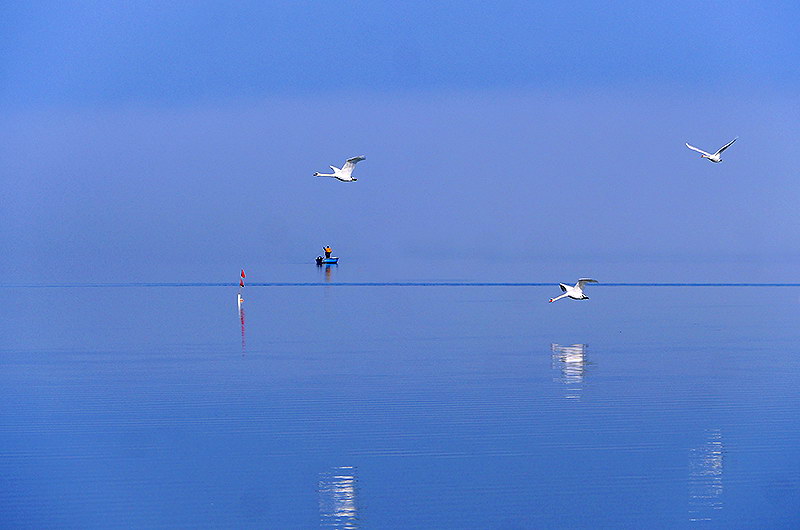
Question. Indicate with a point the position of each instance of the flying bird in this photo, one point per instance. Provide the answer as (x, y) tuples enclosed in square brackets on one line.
[(345, 173), (576, 292), (715, 157)]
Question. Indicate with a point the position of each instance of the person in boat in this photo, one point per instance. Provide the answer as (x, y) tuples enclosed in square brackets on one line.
[(328, 251)]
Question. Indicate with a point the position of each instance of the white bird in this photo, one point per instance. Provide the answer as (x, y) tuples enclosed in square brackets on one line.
[(576, 292), (715, 157), (344, 174)]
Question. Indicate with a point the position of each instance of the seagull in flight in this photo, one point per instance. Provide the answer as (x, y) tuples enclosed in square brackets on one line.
[(344, 174), (715, 157), (576, 292)]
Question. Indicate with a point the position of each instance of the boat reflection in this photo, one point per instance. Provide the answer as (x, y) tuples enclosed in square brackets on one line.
[(705, 477), (337, 498), (327, 272), (571, 361)]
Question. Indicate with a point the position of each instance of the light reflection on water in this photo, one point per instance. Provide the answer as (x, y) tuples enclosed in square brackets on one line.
[(571, 361), (705, 477), (337, 498)]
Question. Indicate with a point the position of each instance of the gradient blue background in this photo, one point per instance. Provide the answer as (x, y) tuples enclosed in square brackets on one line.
[(158, 141)]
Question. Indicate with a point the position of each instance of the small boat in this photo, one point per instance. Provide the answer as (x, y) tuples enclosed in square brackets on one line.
[(327, 261)]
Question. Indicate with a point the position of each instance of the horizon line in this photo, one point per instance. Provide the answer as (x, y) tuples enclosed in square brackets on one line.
[(392, 284)]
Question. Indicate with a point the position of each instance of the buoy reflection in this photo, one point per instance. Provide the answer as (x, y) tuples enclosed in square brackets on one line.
[(239, 302), (337, 498), (241, 320), (571, 361)]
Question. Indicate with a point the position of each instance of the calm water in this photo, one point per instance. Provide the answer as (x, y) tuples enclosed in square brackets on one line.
[(399, 406)]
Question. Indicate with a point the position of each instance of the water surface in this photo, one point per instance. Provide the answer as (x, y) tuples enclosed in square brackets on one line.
[(375, 406)]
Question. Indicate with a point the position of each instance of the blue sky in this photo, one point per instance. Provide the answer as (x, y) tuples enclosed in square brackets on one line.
[(157, 136)]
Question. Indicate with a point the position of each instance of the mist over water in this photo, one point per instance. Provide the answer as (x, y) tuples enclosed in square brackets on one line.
[(184, 195)]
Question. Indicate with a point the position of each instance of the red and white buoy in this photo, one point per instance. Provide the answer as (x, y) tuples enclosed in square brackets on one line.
[(239, 298)]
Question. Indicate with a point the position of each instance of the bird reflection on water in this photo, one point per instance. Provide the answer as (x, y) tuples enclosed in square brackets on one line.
[(705, 477), (571, 360), (337, 498)]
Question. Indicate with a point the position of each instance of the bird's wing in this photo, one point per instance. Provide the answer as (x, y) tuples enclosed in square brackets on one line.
[(693, 148), (584, 281), (721, 149), (563, 287), (350, 164)]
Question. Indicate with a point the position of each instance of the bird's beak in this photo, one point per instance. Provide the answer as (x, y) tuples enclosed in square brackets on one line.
[(551, 300)]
